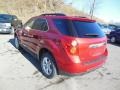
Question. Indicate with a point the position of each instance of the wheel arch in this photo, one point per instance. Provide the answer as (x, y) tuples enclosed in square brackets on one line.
[(43, 50)]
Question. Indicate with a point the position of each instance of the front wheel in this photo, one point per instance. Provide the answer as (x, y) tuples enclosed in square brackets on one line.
[(17, 44), (48, 67)]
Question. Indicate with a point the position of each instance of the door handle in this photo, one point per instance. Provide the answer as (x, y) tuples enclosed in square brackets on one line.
[(35, 36), (24, 34)]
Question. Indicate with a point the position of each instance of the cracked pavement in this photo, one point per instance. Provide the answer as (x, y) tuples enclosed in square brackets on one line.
[(20, 71)]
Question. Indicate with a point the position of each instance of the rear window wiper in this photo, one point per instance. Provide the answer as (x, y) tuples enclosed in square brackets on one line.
[(91, 35)]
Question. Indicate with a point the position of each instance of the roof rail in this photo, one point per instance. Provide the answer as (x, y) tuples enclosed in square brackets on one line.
[(81, 16), (53, 14)]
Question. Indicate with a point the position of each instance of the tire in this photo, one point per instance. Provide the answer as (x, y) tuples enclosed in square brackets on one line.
[(17, 43), (48, 67), (113, 39)]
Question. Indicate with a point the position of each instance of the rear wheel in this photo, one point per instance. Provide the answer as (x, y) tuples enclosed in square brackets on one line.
[(48, 67), (113, 39)]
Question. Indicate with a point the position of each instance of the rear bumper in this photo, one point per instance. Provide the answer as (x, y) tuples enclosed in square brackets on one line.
[(82, 68), (77, 74)]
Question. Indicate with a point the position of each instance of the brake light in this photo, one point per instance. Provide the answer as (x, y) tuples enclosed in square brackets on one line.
[(74, 43), (73, 50), (72, 47)]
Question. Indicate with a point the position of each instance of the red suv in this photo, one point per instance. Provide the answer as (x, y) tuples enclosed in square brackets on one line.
[(68, 44)]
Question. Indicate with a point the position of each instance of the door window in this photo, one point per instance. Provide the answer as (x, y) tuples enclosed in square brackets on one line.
[(40, 24), (29, 23)]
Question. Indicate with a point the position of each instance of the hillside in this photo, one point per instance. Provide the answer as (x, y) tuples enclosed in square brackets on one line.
[(25, 9)]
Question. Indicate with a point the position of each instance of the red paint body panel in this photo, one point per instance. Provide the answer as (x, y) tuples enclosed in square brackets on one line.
[(86, 59)]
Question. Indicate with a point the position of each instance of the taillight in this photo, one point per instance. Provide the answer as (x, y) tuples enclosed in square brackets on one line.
[(73, 50), (74, 43), (71, 47)]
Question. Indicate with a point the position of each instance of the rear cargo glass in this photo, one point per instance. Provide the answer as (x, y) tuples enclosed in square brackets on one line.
[(79, 28)]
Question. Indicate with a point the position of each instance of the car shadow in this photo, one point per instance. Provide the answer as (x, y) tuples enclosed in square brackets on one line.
[(28, 57), (4, 34)]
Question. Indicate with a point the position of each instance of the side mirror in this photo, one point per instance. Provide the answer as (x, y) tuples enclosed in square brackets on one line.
[(17, 24), (20, 25)]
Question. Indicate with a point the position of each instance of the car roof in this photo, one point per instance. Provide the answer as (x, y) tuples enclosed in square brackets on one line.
[(63, 16), (69, 17)]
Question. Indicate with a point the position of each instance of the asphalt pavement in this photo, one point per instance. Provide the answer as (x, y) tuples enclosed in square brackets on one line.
[(20, 71)]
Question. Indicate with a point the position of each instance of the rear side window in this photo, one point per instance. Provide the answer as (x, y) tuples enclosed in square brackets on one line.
[(79, 28), (64, 26)]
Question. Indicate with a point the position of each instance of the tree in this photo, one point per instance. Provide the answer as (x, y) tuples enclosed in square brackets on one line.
[(92, 8), (94, 5)]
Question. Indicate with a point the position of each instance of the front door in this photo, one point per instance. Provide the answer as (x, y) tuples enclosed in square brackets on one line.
[(37, 34), (25, 37)]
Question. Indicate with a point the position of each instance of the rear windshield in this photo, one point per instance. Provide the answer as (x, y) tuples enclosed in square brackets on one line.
[(78, 28)]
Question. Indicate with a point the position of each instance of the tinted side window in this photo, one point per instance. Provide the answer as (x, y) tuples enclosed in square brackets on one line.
[(40, 24), (64, 26), (29, 23)]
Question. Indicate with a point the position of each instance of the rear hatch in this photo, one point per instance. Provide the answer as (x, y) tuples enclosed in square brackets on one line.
[(91, 40), (91, 49)]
